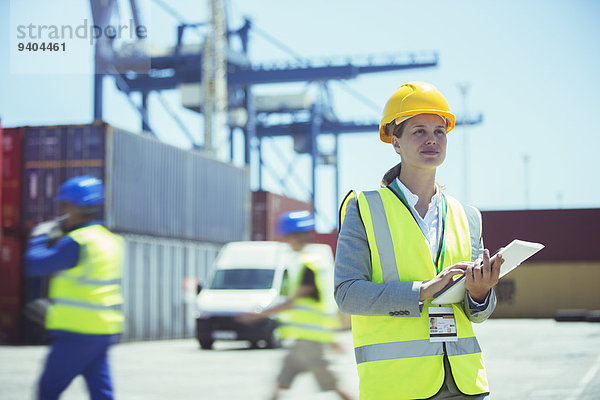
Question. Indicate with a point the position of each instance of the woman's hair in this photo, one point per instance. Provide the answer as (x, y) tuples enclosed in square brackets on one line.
[(396, 130)]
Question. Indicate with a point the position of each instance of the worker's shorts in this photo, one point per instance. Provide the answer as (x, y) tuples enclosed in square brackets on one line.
[(307, 356)]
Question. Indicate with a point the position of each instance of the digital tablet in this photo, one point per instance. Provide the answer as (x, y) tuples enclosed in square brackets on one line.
[(514, 254)]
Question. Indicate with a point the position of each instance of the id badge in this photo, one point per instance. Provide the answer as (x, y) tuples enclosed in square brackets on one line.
[(442, 327)]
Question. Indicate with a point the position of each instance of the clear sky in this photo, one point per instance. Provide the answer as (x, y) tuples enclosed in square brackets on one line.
[(531, 67)]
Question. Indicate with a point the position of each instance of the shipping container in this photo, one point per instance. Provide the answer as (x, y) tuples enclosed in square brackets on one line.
[(540, 289), (160, 282), (152, 188), (568, 234), (161, 277), (11, 179), (170, 192), (266, 208), (564, 273), (10, 289), (327, 238), (51, 155), (34, 289), (1, 175)]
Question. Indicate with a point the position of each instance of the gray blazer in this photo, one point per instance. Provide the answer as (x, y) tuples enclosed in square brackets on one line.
[(356, 294)]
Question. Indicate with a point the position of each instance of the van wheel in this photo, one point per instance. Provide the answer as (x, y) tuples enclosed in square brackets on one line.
[(206, 344), (273, 341)]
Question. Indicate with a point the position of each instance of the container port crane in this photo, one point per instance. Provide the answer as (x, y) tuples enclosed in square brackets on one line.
[(184, 67)]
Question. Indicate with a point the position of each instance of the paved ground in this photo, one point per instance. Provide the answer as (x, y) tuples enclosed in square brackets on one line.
[(526, 359)]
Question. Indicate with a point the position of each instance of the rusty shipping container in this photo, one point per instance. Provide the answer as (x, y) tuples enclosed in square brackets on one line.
[(327, 238), (11, 179), (152, 188), (11, 296), (266, 208)]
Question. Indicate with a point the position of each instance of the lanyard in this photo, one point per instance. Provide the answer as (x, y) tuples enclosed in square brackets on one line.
[(439, 262), (441, 253)]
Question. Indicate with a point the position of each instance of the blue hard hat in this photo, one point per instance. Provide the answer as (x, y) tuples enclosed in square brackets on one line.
[(295, 221), (82, 191)]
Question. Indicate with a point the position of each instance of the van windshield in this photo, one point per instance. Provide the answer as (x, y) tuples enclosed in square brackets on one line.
[(243, 278)]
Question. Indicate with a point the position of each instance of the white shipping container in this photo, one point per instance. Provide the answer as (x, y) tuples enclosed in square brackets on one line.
[(162, 190), (160, 277)]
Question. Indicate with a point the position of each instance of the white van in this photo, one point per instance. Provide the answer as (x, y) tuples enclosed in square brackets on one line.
[(249, 277)]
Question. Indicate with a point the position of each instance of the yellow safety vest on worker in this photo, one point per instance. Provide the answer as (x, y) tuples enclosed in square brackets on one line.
[(87, 298), (394, 355), (309, 318)]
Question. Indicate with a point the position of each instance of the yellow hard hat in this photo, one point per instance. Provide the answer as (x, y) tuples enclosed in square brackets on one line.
[(412, 99)]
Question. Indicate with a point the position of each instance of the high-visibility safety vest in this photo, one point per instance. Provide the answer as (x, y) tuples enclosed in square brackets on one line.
[(310, 319), (394, 356), (87, 298)]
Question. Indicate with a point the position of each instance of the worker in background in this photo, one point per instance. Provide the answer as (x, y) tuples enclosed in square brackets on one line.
[(400, 245), (85, 261), (305, 316)]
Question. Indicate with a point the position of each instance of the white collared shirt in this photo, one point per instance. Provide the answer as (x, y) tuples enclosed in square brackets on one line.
[(431, 223), (430, 226)]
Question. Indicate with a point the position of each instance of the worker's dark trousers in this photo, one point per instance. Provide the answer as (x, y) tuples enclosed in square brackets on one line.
[(72, 354)]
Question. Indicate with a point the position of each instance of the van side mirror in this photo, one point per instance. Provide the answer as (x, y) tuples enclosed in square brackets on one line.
[(285, 284)]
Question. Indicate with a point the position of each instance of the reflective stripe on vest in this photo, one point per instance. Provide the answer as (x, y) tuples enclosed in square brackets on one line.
[(394, 354), (81, 304), (383, 237), (87, 298), (98, 282), (414, 348)]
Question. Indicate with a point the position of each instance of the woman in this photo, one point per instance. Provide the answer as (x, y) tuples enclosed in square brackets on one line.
[(400, 245)]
